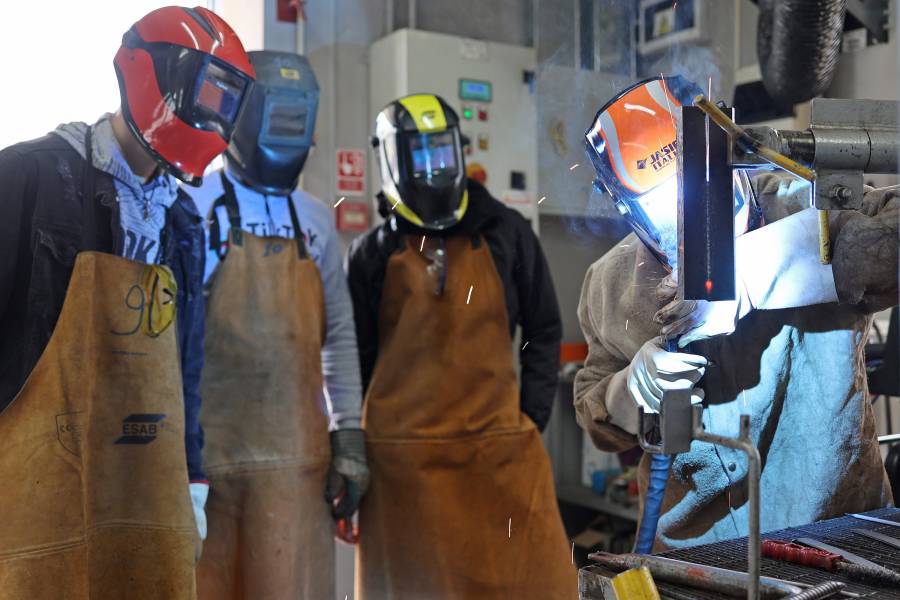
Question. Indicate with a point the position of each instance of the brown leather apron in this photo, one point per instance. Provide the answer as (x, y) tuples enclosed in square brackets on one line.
[(271, 534), (461, 502), (95, 501)]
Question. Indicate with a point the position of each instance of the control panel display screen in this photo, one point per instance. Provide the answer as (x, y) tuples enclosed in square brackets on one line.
[(474, 90)]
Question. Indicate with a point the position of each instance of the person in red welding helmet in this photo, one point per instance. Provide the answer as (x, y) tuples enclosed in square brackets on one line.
[(100, 443), (788, 351)]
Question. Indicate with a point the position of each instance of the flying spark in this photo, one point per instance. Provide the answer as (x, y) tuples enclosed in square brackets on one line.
[(422, 245), (471, 287), (509, 534), (626, 324), (573, 555), (573, 167), (542, 199), (395, 205), (339, 201), (640, 263), (523, 347)]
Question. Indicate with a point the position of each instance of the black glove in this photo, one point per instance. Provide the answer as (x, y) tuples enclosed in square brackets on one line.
[(348, 477)]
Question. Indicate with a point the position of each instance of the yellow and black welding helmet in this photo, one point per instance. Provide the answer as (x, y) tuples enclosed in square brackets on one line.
[(419, 148)]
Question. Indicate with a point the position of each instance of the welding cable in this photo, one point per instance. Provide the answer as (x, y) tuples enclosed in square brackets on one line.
[(653, 499), (751, 145), (656, 491)]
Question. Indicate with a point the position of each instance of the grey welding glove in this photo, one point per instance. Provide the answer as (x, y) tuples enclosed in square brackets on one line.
[(348, 477)]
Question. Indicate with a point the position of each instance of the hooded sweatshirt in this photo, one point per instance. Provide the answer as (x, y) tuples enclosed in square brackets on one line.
[(142, 205)]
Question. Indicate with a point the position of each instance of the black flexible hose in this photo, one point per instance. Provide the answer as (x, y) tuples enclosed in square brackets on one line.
[(798, 44)]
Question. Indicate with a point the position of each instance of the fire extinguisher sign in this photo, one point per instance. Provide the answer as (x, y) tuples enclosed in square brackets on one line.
[(351, 172)]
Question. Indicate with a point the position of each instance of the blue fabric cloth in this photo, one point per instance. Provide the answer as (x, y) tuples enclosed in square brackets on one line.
[(142, 205), (270, 216)]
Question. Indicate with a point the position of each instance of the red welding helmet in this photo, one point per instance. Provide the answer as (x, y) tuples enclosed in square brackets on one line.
[(183, 76)]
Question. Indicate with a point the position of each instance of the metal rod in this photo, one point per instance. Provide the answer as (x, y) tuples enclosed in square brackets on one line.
[(412, 14), (744, 444), (889, 439), (697, 576)]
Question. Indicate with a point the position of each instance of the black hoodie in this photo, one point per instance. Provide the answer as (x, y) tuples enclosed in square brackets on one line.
[(530, 296)]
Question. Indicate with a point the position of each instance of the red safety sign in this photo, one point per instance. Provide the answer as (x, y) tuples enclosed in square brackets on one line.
[(351, 172)]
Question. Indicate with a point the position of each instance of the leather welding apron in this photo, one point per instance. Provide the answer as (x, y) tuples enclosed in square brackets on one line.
[(95, 500), (270, 531), (461, 502)]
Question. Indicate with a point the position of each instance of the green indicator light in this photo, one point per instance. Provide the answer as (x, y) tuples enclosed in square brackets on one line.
[(467, 114)]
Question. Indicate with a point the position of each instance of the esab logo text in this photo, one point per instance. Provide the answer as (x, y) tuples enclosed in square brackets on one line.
[(140, 428)]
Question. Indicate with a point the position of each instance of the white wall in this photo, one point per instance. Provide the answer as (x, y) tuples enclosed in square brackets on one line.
[(58, 61)]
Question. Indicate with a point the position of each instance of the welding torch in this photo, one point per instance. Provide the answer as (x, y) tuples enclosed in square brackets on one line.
[(751, 145)]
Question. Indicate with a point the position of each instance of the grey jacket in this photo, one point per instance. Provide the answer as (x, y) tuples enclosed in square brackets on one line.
[(799, 372)]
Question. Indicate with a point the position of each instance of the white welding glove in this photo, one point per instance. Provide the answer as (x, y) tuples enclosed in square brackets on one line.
[(776, 266), (652, 372), (199, 493)]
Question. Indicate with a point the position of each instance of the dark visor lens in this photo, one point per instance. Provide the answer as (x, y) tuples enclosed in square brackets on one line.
[(288, 120), (220, 92), (432, 154)]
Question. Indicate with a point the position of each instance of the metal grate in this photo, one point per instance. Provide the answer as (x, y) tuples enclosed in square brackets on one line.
[(732, 554)]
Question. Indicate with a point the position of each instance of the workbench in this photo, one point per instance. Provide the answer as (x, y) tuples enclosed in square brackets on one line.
[(732, 554)]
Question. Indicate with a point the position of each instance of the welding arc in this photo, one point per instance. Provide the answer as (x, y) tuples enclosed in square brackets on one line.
[(748, 143)]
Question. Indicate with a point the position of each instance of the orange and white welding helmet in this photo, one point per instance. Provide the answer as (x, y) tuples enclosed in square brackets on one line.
[(633, 146)]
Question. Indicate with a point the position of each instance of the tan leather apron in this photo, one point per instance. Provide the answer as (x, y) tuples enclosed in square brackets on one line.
[(271, 534), (461, 502), (95, 501)]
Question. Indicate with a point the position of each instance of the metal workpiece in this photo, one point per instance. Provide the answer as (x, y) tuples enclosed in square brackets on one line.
[(721, 581), (705, 210), (878, 537), (754, 472), (829, 589)]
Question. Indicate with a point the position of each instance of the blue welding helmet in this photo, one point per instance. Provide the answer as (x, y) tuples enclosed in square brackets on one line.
[(274, 132), (633, 146)]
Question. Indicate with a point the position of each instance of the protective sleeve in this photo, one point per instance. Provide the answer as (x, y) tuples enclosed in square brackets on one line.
[(541, 328), (340, 360), (16, 176), (365, 268), (865, 247), (602, 379)]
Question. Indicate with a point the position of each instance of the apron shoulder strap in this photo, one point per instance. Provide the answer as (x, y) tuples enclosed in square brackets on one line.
[(298, 232), (228, 199)]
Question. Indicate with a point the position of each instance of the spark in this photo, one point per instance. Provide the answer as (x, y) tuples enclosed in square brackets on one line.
[(523, 347), (624, 245), (668, 104), (641, 263), (422, 245), (339, 201), (626, 324), (395, 205), (573, 167), (542, 199), (509, 534), (573, 555), (471, 287)]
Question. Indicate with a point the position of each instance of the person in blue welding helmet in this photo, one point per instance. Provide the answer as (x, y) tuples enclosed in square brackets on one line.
[(281, 357), (788, 351)]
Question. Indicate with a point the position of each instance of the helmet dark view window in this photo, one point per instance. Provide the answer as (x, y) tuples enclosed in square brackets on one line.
[(288, 121), (432, 154), (220, 92)]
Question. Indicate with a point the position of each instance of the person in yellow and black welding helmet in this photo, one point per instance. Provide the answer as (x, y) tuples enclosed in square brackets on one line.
[(422, 170)]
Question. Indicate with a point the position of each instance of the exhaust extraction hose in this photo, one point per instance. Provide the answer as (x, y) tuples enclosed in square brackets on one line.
[(798, 44)]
